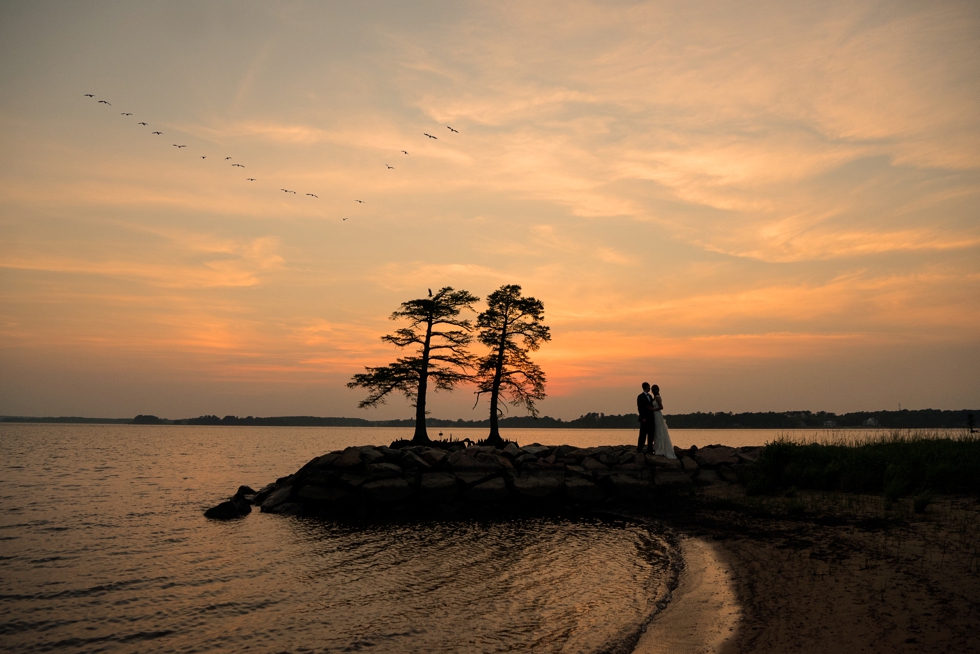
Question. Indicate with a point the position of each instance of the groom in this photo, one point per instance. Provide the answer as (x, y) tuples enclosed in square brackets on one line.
[(645, 407)]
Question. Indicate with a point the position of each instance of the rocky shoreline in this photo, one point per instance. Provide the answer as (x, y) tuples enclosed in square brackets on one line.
[(367, 480)]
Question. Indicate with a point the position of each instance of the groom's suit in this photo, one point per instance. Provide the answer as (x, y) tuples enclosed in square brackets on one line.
[(645, 407)]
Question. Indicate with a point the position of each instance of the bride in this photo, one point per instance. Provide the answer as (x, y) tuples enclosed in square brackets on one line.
[(660, 434)]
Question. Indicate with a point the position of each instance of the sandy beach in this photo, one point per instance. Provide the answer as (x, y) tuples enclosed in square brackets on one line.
[(703, 612), (824, 573)]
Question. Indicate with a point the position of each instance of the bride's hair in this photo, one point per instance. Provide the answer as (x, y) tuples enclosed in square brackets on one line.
[(655, 389)]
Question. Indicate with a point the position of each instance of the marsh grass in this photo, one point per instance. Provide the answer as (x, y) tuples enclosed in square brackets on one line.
[(895, 465)]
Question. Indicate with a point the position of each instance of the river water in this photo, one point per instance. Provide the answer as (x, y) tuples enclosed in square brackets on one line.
[(104, 548)]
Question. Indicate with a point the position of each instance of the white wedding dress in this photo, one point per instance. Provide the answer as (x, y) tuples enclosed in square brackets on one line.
[(661, 437)]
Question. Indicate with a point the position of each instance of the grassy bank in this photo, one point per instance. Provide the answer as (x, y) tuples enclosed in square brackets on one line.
[(897, 465)]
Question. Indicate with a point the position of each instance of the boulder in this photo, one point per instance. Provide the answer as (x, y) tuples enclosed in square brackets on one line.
[(244, 490), (388, 491), (512, 450), (474, 477), (477, 461), (227, 510), (630, 487), (279, 496), (607, 458), (437, 487), (592, 464), (565, 450), (748, 454), (349, 458), (688, 464), (663, 462), (716, 455), (628, 467), (375, 471), (493, 490), (583, 491), (264, 492), (525, 459), (433, 456), (370, 455), (537, 486), (327, 460), (412, 461), (321, 494), (666, 477), (537, 450), (287, 508)]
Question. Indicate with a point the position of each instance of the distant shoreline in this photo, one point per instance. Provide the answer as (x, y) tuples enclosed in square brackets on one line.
[(905, 419)]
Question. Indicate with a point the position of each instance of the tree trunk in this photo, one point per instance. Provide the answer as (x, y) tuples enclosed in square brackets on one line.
[(495, 438), (421, 436)]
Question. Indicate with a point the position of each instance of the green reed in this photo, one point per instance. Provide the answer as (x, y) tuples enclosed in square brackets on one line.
[(897, 464)]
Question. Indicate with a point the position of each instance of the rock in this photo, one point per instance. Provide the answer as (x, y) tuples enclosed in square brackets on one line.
[(278, 497), (666, 477), (714, 456), (565, 450), (324, 495), (630, 487), (607, 458), (537, 450), (551, 458), (412, 461), (388, 491), (354, 481), (370, 455), (433, 456), (287, 508), (591, 464), (478, 461), (437, 487), (749, 454), (688, 464), (537, 486), (327, 460), (525, 459), (245, 490), (583, 491), (493, 490), (628, 467), (627, 457), (227, 510), (349, 458), (500, 460), (512, 450), (658, 461), (474, 477), (385, 470)]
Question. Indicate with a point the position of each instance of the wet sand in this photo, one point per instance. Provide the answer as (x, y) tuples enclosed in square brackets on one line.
[(703, 612), (850, 575)]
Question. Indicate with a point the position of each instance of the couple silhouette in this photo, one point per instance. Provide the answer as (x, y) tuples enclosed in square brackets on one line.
[(653, 427)]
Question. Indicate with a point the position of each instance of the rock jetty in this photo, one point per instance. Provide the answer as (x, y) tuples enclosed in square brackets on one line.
[(370, 479)]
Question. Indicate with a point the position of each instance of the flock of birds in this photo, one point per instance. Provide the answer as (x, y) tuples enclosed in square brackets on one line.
[(180, 146)]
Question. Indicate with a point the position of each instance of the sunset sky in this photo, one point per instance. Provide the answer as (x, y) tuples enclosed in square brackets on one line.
[(766, 206)]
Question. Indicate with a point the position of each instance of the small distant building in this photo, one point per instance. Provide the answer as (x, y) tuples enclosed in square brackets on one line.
[(871, 422)]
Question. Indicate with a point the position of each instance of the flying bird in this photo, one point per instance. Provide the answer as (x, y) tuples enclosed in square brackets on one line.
[(237, 164), (431, 136), (143, 124), (104, 102), (158, 132), (227, 158), (312, 196), (360, 201), (204, 156), (89, 95), (454, 131), (179, 146), (293, 192), (125, 113), (404, 152), (430, 292), (390, 167), (345, 219), (249, 179)]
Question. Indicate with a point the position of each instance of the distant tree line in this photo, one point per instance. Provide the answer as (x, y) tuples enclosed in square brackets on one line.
[(905, 419)]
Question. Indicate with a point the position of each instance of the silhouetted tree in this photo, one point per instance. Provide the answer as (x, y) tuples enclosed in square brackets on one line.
[(511, 327), (439, 338)]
